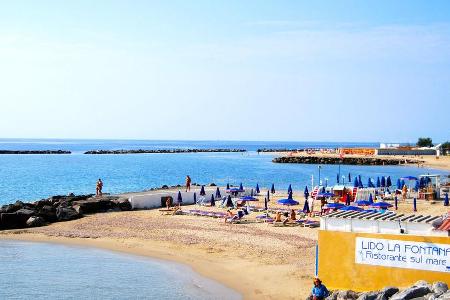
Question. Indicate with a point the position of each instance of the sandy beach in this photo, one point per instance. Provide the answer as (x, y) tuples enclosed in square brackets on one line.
[(259, 260)]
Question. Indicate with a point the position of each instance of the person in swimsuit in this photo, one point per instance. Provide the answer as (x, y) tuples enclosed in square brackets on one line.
[(98, 190), (188, 183)]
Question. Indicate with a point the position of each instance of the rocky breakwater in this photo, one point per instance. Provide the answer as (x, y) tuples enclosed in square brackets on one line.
[(34, 152), (57, 209), (331, 160), (144, 151), (421, 290)]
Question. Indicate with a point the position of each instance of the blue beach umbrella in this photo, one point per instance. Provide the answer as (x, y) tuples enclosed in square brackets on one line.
[(446, 199), (349, 177), (306, 207), (218, 195), (290, 189), (403, 183), (248, 198), (257, 189), (388, 181), (195, 198), (272, 189), (370, 183), (399, 184), (378, 182), (360, 184), (356, 183), (335, 205), (241, 187), (287, 202), (306, 192), (415, 204), (290, 195), (409, 178), (396, 202), (326, 195), (381, 205), (323, 190), (337, 178), (213, 201), (417, 186), (370, 198), (179, 198), (202, 191), (383, 181), (229, 201), (351, 208)]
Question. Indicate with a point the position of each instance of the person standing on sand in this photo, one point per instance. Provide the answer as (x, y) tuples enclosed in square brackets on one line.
[(404, 192), (188, 183), (98, 190), (319, 291)]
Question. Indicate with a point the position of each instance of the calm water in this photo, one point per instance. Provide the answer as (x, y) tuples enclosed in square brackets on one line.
[(30, 177), (48, 271)]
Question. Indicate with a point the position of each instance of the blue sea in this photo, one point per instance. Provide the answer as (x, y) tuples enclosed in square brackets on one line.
[(50, 271), (32, 177)]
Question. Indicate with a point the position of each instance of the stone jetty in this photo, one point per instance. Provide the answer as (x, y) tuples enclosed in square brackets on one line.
[(34, 152), (269, 150), (330, 160), (143, 151), (57, 209), (421, 290)]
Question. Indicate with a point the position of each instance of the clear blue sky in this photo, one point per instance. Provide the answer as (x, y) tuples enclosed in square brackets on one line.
[(225, 70)]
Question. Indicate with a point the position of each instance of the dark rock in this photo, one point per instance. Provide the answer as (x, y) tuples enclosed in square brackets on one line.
[(387, 292), (212, 184), (333, 295), (347, 295), (164, 187), (66, 213), (48, 213), (368, 296), (439, 288), (412, 292), (35, 221), (123, 204), (24, 214), (10, 221)]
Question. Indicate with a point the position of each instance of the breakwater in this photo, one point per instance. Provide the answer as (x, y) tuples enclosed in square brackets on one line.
[(144, 151), (34, 152), (327, 160)]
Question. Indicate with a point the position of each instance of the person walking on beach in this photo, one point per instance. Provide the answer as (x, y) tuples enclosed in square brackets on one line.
[(188, 183), (98, 190), (319, 291)]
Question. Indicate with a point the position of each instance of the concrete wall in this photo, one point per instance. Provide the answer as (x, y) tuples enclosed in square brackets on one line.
[(406, 152), (338, 270)]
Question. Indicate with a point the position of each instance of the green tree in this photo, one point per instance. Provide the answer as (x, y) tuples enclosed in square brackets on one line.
[(425, 142), (446, 147)]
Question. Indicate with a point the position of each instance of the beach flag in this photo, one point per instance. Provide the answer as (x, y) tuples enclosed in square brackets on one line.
[(272, 189), (306, 207), (415, 204), (396, 202), (218, 195), (446, 199), (213, 202), (257, 189)]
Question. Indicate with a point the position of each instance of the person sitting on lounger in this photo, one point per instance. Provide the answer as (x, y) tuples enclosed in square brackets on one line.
[(286, 218), (230, 216), (293, 215), (277, 217)]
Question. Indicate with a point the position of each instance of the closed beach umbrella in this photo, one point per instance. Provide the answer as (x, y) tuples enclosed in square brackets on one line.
[(290, 189), (268, 196), (272, 189), (229, 201), (306, 207), (241, 187), (399, 184), (369, 182), (290, 195), (396, 202), (251, 193), (288, 202), (360, 184), (349, 177), (388, 181), (218, 195), (179, 198), (323, 189), (195, 198), (213, 201), (202, 191), (265, 203), (370, 198), (356, 183), (415, 204), (228, 186), (417, 186), (421, 182), (337, 178), (446, 199), (383, 181), (257, 189), (306, 192), (378, 182)]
